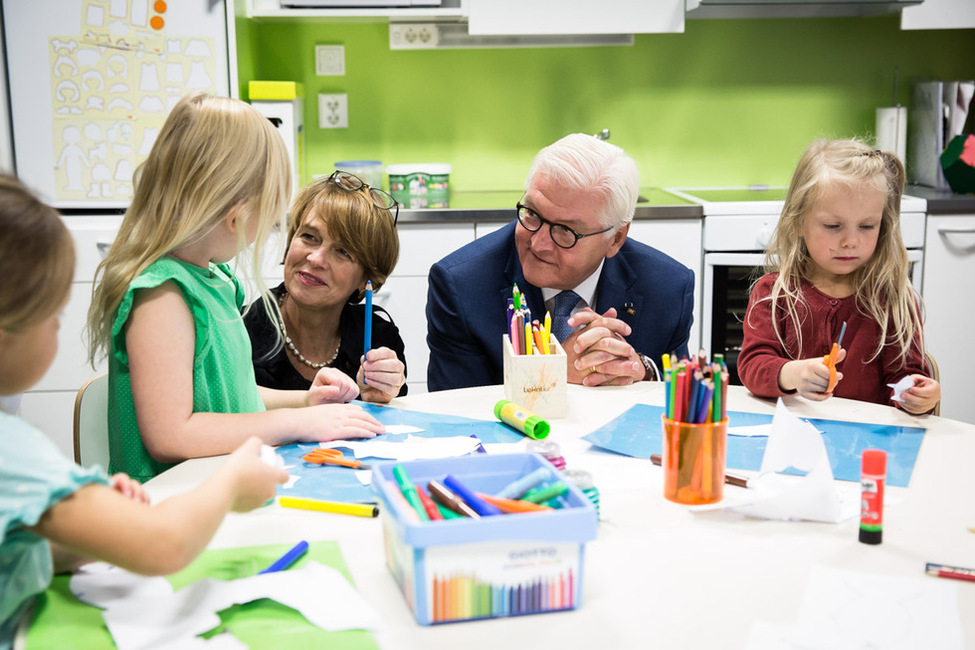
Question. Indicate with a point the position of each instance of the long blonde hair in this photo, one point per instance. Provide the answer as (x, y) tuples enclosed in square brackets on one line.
[(882, 285), (212, 154), (36, 258)]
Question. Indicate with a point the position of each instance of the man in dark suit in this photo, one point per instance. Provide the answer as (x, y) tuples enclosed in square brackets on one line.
[(568, 252)]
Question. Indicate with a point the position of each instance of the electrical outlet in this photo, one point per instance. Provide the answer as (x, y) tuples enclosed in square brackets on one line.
[(333, 111), (413, 36), (329, 60)]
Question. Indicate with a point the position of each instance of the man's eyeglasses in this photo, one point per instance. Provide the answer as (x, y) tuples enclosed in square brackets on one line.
[(563, 236), (380, 199)]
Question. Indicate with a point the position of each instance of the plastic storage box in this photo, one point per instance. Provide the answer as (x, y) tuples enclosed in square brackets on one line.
[(504, 565), (420, 185)]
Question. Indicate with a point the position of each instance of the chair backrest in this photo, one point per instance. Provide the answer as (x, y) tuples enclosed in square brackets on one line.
[(935, 375), (91, 422)]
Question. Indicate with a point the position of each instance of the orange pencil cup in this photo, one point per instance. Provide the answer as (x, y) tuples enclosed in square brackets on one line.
[(693, 460)]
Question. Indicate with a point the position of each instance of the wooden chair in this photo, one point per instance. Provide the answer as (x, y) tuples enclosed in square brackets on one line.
[(91, 422), (935, 375)]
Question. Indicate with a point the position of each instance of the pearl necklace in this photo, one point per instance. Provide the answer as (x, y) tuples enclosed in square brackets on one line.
[(294, 350)]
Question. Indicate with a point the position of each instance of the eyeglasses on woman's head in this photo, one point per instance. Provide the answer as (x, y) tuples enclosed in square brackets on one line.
[(353, 183)]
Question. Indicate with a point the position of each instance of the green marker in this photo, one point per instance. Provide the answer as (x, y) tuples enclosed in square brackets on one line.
[(409, 491)]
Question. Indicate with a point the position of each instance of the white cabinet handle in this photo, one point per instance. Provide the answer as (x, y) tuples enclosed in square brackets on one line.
[(103, 247), (956, 231)]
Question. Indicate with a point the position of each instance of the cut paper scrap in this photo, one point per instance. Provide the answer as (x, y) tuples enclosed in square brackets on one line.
[(637, 432), (149, 618), (402, 428), (748, 431), (900, 387), (794, 445), (413, 448), (62, 621)]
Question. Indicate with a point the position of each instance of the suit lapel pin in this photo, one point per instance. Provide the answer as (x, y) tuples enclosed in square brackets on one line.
[(628, 307)]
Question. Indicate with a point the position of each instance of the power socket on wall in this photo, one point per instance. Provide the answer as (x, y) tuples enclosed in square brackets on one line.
[(333, 111), (413, 36)]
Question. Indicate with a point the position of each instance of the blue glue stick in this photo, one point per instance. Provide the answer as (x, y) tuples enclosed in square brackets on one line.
[(516, 489), (479, 505)]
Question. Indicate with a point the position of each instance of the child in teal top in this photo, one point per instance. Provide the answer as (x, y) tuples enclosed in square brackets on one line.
[(167, 308), (54, 515)]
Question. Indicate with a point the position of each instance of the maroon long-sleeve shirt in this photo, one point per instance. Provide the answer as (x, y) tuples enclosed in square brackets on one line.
[(821, 317)]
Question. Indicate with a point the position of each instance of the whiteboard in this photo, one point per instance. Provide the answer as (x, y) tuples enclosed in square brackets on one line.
[(91, 82)]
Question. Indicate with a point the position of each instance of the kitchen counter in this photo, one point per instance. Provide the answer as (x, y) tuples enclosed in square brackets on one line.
[(943, 201), (499, 205)]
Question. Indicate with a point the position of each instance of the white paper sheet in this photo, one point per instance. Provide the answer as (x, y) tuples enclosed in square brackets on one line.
[(148, 617), (796, 444), (755, 430), (854, 610)]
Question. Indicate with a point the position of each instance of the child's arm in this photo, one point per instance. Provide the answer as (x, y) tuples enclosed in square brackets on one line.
[(330, 386), (99, 522), (809, 377), (160, 339), (922, 396)]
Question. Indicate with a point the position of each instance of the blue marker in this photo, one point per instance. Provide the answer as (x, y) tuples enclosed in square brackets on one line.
[(479, 505), (516, 489), (288, 558)]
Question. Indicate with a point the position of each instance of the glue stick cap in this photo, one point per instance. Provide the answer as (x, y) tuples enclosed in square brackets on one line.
[(536, 427), (874, 462)]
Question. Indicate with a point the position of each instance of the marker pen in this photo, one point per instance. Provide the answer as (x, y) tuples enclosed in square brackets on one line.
[(408, 489), (872, 477)]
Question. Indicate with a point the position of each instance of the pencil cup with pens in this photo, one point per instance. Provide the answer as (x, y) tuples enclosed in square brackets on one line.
[(537, 381), (695, 430)]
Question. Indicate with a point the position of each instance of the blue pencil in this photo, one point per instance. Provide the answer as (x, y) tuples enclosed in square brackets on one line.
[(368, 327), (288, 558)]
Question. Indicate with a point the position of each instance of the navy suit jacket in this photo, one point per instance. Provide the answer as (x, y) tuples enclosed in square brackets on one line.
[(468, 297)]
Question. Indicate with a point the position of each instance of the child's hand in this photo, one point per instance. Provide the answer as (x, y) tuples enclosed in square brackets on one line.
[(331, 386), (254, 480), (335, 422), (381, 375), (128, 487), (922, 396), (809, 377)]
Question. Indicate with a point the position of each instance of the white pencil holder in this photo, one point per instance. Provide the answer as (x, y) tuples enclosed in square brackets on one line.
[(537, 381)]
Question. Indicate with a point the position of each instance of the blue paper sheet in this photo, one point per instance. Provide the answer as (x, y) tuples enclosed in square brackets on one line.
[(334, 483), (637, 433)]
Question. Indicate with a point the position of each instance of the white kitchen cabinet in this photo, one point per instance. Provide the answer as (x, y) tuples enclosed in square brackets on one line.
[(682, 240), (404, 295), (517, 17), (939, 14), (949, 287), (49, 405)]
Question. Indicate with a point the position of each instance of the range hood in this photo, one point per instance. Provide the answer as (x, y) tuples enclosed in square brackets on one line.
[(793, 8)]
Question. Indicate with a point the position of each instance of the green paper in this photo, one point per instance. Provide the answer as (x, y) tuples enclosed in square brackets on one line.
[(62, 621)]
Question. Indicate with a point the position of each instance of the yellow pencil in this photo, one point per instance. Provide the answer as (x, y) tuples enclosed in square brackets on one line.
[(358, 509), (529, 342), (547, 337)]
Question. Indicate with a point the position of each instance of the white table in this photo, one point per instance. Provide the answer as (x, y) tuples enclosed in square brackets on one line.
[(659, 575)]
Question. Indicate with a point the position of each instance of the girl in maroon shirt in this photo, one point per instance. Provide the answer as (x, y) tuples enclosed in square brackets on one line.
[(837, 257)]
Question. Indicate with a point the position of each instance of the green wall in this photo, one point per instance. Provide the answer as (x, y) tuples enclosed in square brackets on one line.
[(728, 102)]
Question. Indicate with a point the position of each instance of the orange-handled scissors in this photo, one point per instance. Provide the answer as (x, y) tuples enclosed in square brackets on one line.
[(332, 457), (830, 359)]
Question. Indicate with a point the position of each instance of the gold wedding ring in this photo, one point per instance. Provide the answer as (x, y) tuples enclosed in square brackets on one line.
[(592, 369)]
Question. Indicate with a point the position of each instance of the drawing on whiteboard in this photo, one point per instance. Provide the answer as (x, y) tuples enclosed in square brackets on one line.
[(108, 95)]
